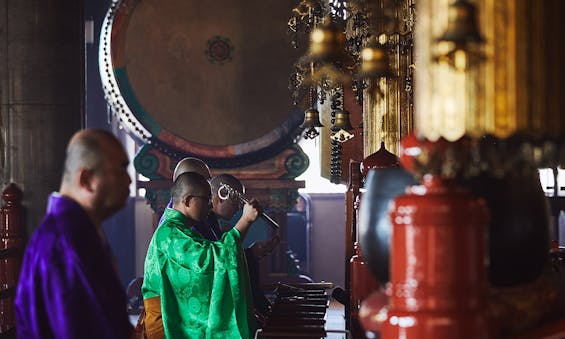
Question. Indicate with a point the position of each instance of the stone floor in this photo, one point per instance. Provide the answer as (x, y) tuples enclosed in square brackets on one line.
[(335, 320)]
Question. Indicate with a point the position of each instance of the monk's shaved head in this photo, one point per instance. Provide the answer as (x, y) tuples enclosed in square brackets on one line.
[(96, 173), (85, 150), (189, 183), (192, 165), (227, 179)]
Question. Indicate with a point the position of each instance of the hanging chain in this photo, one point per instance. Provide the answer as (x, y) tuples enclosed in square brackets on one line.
[(336, 146)]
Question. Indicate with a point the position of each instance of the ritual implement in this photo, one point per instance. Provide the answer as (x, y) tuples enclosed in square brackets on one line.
[(226, 192)]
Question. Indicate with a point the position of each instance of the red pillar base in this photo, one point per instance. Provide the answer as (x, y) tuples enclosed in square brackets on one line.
[(438, 325), (438, 285)]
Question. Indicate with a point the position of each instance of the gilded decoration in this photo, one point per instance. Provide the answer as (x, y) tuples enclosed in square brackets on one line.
[(505, 94), (388, 102)]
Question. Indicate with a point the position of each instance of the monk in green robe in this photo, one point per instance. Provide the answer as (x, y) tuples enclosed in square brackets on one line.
[(202, 286)]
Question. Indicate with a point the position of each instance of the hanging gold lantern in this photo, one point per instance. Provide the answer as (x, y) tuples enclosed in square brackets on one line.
[(459, 45), (462, 25), (375, 62), (327, 42)]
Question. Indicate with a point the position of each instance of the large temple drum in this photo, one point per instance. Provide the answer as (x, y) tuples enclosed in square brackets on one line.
[(202, 78)]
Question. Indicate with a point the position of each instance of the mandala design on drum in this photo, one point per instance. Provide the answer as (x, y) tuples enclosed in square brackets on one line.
[(219, 50)]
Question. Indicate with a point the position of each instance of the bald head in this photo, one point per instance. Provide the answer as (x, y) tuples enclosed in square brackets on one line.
[(228, 179), (189, 183), (192, 165), (86, 150), (95, 173)]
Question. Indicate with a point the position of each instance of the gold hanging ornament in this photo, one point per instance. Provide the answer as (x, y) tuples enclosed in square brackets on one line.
[(311, 121), (342, 125), (460, 45), (375, 62)]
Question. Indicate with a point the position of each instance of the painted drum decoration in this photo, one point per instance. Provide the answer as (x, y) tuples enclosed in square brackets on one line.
[(208, 79)]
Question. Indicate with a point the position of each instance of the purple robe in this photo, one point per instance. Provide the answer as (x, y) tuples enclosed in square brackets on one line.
[(169, 205), (68, 287)]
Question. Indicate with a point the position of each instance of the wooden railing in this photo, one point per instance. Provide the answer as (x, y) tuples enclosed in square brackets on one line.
[(11, 249)]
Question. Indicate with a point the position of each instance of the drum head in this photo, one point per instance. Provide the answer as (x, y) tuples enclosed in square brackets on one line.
[(205, 78)]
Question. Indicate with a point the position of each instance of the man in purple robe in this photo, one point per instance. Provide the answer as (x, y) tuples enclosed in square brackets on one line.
[(68, 286)]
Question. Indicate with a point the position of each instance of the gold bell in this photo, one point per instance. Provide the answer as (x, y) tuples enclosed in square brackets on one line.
[(374, 61), (342, 120), (311, 118), (459, 46), (462, 25), (327, 42)]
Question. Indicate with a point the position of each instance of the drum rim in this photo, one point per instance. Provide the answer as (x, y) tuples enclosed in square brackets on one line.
[(143, 129)]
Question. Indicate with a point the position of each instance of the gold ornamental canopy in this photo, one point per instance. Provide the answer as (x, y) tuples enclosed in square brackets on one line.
[(512, 69)]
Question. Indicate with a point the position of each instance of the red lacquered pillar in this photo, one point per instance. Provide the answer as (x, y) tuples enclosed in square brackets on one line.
[(362, 285), (438, 278)]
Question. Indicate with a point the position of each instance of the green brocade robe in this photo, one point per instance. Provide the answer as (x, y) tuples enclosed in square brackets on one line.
[(203, 285)]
